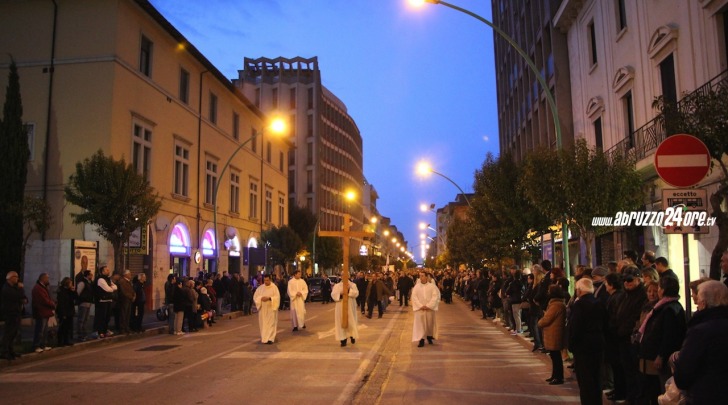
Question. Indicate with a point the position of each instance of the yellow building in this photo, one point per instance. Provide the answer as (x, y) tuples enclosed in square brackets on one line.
[(115, 75)]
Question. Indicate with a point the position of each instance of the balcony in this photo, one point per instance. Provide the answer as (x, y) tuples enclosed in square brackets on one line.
[(645, 139)]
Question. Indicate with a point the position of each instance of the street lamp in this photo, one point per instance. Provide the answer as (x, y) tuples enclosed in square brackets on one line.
[(277, 126), (424, 169), (541, 79), (425, 207), (349, 195)]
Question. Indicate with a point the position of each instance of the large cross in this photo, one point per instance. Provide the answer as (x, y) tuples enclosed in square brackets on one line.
[(345, 235)]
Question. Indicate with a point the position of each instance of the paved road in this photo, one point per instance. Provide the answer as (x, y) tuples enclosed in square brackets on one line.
[(473, 362)]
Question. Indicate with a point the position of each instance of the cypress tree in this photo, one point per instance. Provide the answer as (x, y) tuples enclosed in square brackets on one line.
[(14, 155)]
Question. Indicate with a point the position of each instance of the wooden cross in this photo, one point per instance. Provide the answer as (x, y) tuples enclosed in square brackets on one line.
[(345, 235)]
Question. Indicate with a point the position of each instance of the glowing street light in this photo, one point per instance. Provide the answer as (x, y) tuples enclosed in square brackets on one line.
[(424, 169), (350, 195)]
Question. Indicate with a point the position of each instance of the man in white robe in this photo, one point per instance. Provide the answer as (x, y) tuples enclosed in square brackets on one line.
[(352, 329), (425, 301), (267, 298), (298, 291)]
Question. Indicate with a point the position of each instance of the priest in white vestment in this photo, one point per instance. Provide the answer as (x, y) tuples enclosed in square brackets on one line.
[(425, 301), (267, 298), (298, 291), (352, 329)]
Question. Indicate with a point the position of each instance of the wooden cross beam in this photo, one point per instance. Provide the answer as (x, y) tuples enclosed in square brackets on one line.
[(345, 235)]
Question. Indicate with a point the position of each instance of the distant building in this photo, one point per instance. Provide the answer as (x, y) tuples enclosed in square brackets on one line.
[(445, 215), (124, 80), (327, 158)]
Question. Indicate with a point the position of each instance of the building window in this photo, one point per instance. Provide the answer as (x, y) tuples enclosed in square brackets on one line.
[(621, 15), (309, 181), (310, 98), (210, 182), (30, 131), (291, 157), (280, 161), (667, 78), (592, 36), (268, 151), (213, 108), (292, 98), (236, 126), (292, 126), (268, 205), (274, 97), (281, 210), (235, 192), (181, 170), (309, 153), (253, 203), (599, 142), (257, 97), (628, 109), (309, 126), (291, 182), (142, 149), (254, 141), (184, 86), (145, 56)]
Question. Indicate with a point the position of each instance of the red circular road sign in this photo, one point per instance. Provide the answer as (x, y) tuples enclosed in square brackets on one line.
[(682, 160)]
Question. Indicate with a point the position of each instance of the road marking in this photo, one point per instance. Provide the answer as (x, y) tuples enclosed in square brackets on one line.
[(293, 356), (544, 398), (331, 332), (78, 377)]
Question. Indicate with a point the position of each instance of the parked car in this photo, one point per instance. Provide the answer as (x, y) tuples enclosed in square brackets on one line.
[(314, 287)]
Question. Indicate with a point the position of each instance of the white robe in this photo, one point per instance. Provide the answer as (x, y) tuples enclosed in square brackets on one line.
[(353, 327), (267, 311), (425, 320), (298, 306)]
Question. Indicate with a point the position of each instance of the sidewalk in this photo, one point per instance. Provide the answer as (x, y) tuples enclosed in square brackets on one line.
[(151, 326)]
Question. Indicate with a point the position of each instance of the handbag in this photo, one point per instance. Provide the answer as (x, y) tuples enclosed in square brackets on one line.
[(525, 305), (52, 321), (162, 313)]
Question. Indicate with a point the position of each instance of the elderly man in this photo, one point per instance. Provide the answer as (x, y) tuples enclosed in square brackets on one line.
[(126, 297), (104, 291), (12, 299), (587, 323), (298, 292), (267, 298), (43, 310)]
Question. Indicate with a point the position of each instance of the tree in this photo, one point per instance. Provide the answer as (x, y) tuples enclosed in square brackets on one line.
[(302, 221), (461, 243), (36, 219), (580, 183), (284, 244), (506, 220), (704, 114), (114, 197), (329, 252), (14, 155)]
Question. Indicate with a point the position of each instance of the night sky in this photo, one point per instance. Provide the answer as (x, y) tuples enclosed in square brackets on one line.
[(419, 82)]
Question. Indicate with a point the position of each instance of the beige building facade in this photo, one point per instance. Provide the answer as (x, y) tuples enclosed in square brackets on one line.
[(116, 76)]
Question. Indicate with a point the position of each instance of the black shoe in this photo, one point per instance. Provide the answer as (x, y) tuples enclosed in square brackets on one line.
[(556, 382), (295, 329), (352, 340), (429, 339), (304, 327), (534, 349), (270, 342), (343, 343), (422, 343), (369, 316), (549, 379), (380, 315)]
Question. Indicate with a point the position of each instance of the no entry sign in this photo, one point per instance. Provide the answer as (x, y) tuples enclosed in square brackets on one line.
[(682, 160)]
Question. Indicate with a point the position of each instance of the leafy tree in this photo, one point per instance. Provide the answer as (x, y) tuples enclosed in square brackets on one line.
[(704, 114), (14, 155), (461, 243), (302, 221), (114, 197), (329, 252), (284, 244), (36, 219), (506, 221), (581, 183)]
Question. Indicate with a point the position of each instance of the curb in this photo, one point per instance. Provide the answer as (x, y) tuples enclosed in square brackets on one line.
[(152, 330)]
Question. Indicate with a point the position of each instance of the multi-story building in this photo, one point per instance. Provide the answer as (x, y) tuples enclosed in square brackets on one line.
[(327, 160), (116, 76), (445, 215), (625, 55), (524, 115)]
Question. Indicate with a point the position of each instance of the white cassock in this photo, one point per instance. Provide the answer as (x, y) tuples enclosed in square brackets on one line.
[(425, 320), (298, 306), (353, 328), (267, 311)]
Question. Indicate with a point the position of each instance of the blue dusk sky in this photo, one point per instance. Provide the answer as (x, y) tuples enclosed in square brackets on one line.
[(419, 83)]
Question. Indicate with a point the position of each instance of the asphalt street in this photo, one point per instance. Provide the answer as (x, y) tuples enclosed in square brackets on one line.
[(473, 362)]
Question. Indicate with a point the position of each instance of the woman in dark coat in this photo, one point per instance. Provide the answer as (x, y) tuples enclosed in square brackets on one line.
[(553, 324), (701, 366), (65, 311)]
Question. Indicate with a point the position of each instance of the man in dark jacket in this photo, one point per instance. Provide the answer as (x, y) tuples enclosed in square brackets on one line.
[(628, 313), (43, 309), (361, 285), (169, 288), (12, 299), (85, 291), (126, 297), (326, 289), (375, 291), (587, 321), (404, 285), (140, 301)]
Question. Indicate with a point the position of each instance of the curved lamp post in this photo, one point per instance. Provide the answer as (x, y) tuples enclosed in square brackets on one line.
[(424, 168), (542, 80), (277, 126)]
